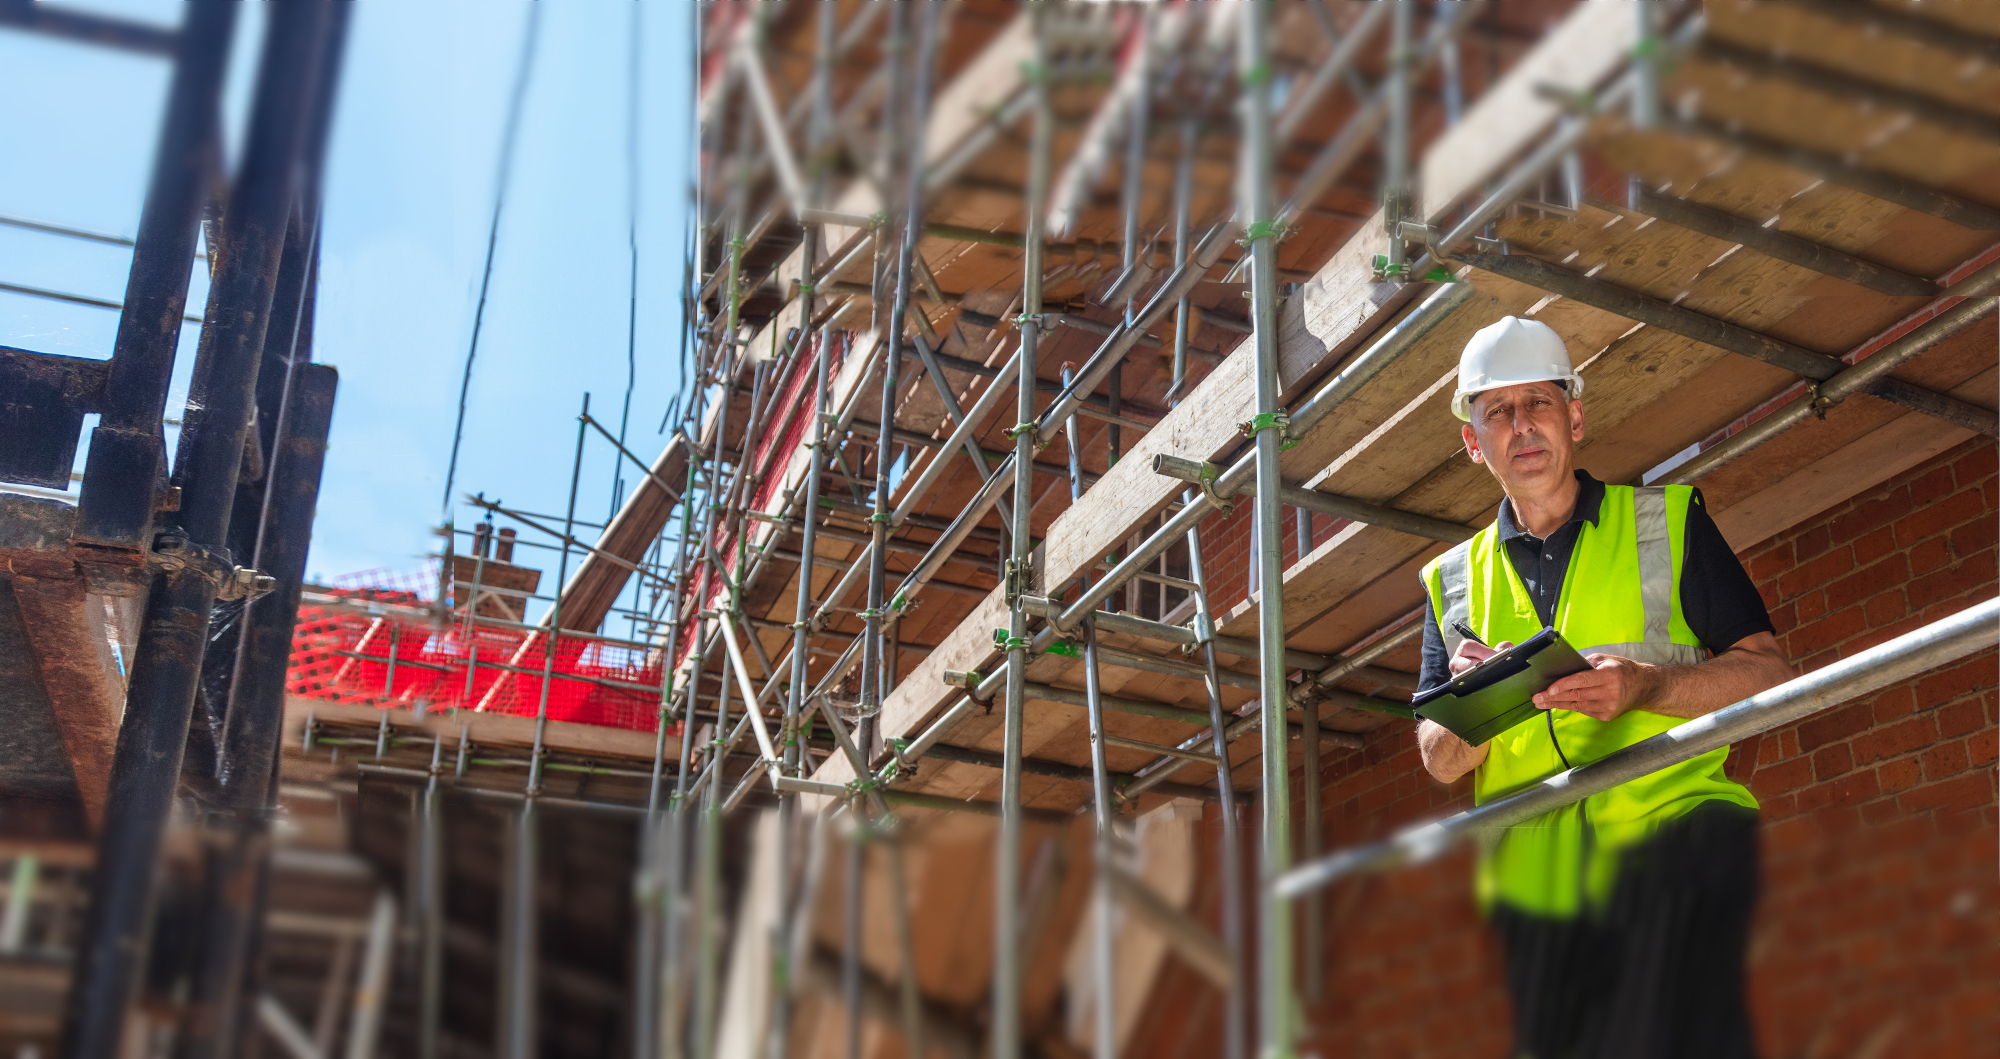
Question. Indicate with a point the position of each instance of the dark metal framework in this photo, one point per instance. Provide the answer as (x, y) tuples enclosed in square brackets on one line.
[(232, 520)]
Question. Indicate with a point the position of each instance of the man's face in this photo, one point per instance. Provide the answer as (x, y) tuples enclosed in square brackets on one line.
[(1526, 434)]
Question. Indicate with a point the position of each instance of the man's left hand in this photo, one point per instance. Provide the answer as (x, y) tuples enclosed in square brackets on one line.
[(1611, 686)]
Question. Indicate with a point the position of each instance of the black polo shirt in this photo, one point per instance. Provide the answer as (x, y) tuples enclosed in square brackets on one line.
[(1718, 600)]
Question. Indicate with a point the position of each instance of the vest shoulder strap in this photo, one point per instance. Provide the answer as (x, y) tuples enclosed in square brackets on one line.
[(1454, 576), (1656, 560)]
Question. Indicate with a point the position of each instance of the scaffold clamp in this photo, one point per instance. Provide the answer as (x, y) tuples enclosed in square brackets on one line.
[(1263, 421), (1258, 230), (1002, 641), (1383, 271), (1207, 478)]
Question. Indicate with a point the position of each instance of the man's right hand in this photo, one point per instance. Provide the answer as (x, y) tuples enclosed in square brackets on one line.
[(1446, 756), (1471, 653)]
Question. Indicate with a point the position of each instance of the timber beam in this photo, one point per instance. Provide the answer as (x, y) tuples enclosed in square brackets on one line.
[(1835, 170), (1783, 246), (1722, 334)]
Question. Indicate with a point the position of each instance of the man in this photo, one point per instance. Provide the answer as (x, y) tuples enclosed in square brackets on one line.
[(1623, 918)]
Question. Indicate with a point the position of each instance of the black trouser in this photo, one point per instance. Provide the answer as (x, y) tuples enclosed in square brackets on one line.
[(1658, 973)]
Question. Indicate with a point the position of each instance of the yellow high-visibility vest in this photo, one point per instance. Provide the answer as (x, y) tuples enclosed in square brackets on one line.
[(1620, 596)]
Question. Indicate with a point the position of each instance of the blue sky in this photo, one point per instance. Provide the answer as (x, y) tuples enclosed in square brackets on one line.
[(409, 195)]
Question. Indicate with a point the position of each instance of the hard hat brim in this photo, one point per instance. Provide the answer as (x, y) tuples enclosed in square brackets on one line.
[(1461, 400)]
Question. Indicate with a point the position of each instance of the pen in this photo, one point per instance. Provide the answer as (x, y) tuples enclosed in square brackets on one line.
[(1466, 631)]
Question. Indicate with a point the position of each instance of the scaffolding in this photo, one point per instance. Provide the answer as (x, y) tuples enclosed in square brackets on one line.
[(1057, 439), (855, 157)]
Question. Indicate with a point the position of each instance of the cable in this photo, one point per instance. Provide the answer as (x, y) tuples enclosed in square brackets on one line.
[(1582, 813), (493, 235)]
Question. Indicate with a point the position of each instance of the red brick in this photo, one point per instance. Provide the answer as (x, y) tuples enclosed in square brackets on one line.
[(1973, 674), (1939, 517), (1879, 510), (1818, 796), (1877, 813), (1899, 738), (1881, 577), (1928, 555), (1900, 774), (1811, 606), (1854, 789), (1974, 536), (1975, 573), (1965, 792), (1977, 465), (1818, 572), (1944, 761), (1771, 562), (1874, 544), (1835, 725), (1898, 701), (1812, 540), (1885, 608), (1784, 776), (1831, 761), (1826, 632), (1783, 619), (1930, 486), (1959, 718), (1983, 748), (1880, 635)]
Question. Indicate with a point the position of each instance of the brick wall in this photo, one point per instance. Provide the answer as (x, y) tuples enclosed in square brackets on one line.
[(1878, 934)]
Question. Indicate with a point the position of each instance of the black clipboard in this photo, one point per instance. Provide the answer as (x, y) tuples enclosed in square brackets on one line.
[(1498, 694)]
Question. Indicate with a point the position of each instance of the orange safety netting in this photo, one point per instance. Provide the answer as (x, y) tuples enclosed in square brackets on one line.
[(342, 653)]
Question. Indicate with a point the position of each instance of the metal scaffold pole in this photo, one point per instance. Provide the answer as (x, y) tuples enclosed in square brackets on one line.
[(792, 741), (1236, 1021), (1104, 904), (1007, 889), (1274, 941)]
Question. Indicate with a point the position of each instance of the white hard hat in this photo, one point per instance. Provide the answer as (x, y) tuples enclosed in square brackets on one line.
[(1508, 353)]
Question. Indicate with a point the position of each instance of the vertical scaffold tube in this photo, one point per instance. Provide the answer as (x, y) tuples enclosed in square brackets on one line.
[(1396, 137), (1183, 205), (1103, 903), (1007, 889), (791, 743), (1274, 942), (708, 926), (517, 1001), (909, 1001), (850, 952), (1236, 1021), (891, 335), (673, 899)]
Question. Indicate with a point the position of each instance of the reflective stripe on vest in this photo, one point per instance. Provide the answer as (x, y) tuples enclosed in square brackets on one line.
[(1619, 596)]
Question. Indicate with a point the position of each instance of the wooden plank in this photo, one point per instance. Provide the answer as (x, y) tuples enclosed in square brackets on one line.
[(1577, 55), (1887, 57), (491, 729), (1876, 138), (1906, 441)]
